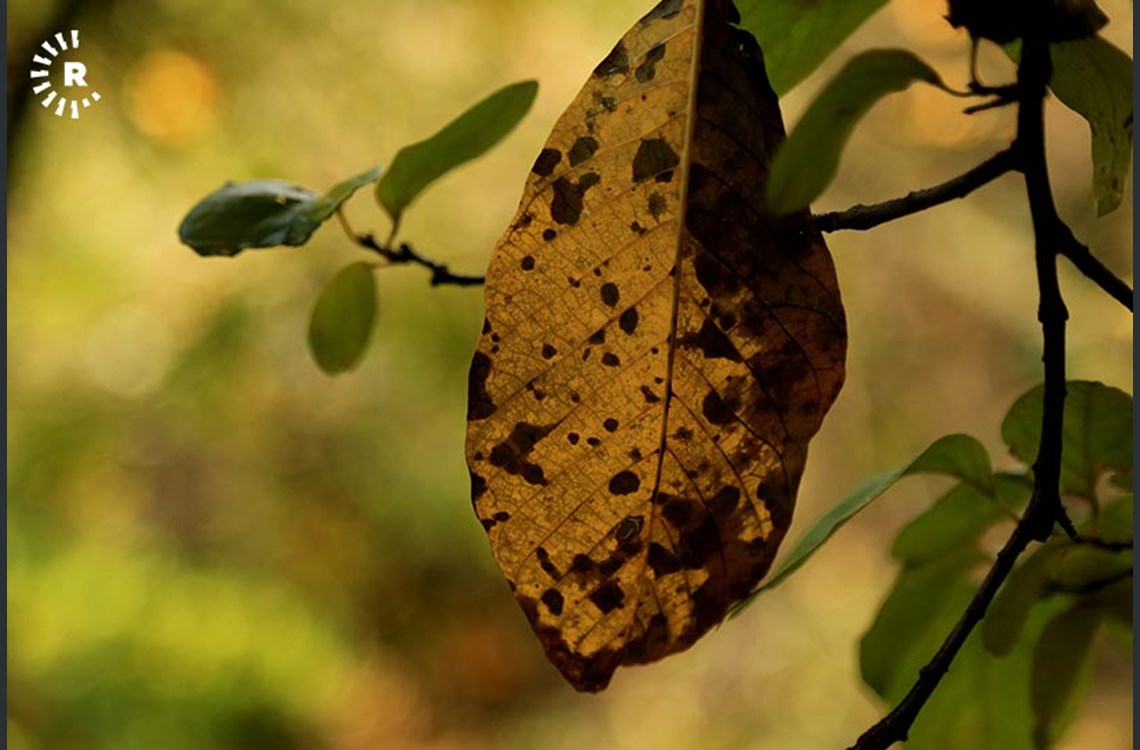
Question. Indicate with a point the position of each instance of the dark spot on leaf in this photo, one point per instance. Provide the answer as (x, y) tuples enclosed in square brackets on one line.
[(573, 437), (662, 561), (544, 562), (609, 359), (684, 433), (677, 512), (553, 601), (635, 454), (664, 9), (593, 442), (486, 326), (479, 404), (502, 516), (717, 410), (549, 234), (478, 485), (598, 336), (712, 342), (727, 321), (566, 207), (628, 320), (657, 205), (582, 149), (637, 228), (548, 351), (648, 67), (581, 564), (546, 162), (699, 544), (624, 483), (653, 157), (724, 501), (527, 263), (650, 396), (610, 293), (510, 455), (666, 176), (585, 354), (573, 282), (610, 424), (607, 597), (617, 61)]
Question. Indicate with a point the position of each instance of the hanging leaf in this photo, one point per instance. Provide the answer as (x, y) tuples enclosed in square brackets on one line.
[(809, 159), (1026, 584), (342, 319), (262, 213), (1060, 670), (1094, 79), (466, 137), (657, 352), (798, 36)]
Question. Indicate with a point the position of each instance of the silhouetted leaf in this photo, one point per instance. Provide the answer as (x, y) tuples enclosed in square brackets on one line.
[(1097, 434), (1060, 670), (658, 351), (262, 213), (1094, 79), (808, 160), (797, 36), (465, 138), (342, 319)]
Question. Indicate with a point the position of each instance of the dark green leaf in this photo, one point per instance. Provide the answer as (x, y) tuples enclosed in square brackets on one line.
[(262, 213), (806, 163), (1085, 567), (342, 319), (1115, 601), (955, 455), (1060, 667), (1097, 434), (1010, 609), (1094, 79), (797, 36), (463, 139), (913, 620), (954, 521)]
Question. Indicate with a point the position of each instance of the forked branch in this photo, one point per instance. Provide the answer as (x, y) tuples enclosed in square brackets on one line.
[(404, 253)]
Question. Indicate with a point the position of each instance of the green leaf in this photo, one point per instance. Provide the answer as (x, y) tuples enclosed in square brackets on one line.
[(1094, 79), (1060, 670), (1088, 567), (955, 455), (913, 620), (955, 520), (468, 136), (1097, 435), (1010, 609), (797, 36), (262, 213), (807, 162), (342, 319)]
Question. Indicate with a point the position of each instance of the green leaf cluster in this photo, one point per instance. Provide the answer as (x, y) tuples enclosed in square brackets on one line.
[(274, 213)]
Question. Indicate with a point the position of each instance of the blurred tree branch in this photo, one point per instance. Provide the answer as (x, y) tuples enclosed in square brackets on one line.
[(404, 253)]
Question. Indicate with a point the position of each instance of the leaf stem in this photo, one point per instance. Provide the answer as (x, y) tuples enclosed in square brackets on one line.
[(862, 217), (440, 274), (1045, 504)]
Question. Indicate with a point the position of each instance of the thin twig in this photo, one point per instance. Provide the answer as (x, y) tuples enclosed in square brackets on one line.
[(1091, 587), (1090, 266), (861, 217), (1045, 504), (1104, 544), (440, 273)]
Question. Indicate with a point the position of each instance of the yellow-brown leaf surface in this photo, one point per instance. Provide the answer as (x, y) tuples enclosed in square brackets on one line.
[(656, 355)]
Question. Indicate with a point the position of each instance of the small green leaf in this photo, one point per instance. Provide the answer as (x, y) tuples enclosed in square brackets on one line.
[(342, 319), (1009, 612), (468, 136), (1087, 567), (955, 455), (806, 163), (912, 616), (1060, 670), (955, 520), (1097, 435), (1094, 79), (238, 215), (262, 213), (797, 36)]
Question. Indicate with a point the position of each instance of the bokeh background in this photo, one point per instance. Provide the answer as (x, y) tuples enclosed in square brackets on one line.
[(213, 546)]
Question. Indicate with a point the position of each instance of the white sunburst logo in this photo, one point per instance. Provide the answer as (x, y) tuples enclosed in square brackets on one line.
[(70, 102)]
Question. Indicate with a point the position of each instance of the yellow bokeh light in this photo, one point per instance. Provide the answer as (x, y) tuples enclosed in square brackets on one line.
[(171, 97)]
